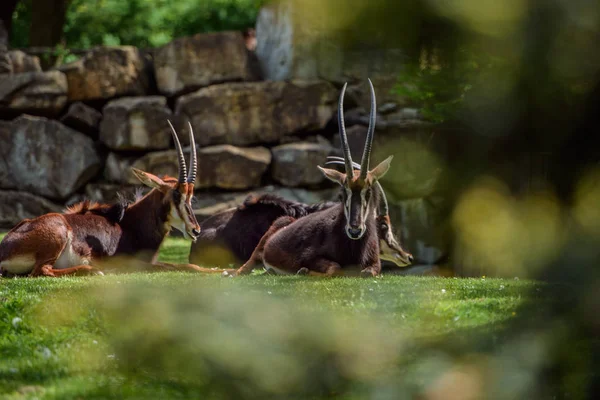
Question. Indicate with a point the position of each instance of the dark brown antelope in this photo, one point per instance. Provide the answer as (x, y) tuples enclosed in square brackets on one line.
[(229, 237), (389, 247), (340, 237), (69, 243)]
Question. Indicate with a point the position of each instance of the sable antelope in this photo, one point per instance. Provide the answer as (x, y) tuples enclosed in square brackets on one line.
[(389, 247), (64, 244), (342, 236), (230, 237)]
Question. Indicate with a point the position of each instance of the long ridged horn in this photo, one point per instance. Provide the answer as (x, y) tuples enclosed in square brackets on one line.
[(193, 157), (182, 168), (370, 134), (343, 137), (384, 208)]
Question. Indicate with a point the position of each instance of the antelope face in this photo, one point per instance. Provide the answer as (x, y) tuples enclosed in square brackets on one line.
[(389, 248), (182, 216), (178, 197), (178, 193), (357, 195)]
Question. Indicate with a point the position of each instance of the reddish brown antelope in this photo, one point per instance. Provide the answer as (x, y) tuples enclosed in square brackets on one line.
[(230, 237), (64, 244), (343, 236)]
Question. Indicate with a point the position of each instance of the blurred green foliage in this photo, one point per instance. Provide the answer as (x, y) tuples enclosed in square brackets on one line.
[(439, 86), (175, 335), (140, 23)]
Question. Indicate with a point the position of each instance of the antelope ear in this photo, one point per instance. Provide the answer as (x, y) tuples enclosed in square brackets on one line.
[(379, 171), (333, 175), (148, 179)]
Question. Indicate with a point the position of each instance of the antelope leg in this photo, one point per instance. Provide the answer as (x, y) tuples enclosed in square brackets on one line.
[(322, 267), (187, 268), (49, 270), (257, 255)]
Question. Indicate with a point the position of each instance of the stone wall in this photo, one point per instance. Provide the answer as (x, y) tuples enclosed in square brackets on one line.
[(74, 132)]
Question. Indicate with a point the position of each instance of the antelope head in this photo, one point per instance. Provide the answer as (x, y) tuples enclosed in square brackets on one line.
[(389, 247), (177, 194), (357, 186)]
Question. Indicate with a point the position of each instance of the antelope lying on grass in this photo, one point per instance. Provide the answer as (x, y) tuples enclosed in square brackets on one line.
[(389, 247), (231, 236), (342, 236), (64, 244)]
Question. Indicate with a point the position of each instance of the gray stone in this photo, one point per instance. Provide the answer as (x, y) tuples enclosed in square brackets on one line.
[(44, 157), (17, 206), (387, 108), (233, 168), (107, 72), (82, 118), (40, 93), (118, 167), (22, 62), (249, 113), (136, 123), (224, 166), (189, 63), (295, 164)]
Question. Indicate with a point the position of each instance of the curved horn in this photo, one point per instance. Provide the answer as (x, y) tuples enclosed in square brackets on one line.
[(182, 168), (384, 208), (370, 133), (343, 137), (193, 157)]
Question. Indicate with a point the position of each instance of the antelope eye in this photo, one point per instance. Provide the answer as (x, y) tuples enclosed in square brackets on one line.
[(384, 226)]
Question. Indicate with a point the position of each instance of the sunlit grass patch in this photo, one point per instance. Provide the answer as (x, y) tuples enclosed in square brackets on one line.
[(180, 335)]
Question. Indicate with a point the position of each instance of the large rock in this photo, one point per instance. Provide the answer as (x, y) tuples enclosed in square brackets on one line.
[(23, 62), (107, 72), (136, 123), (44, 157), (255, 112), (16, 206), (82, 118), (229, 167), (118, 168), (189, 63), (295, 164), (224, 167), (40, 93)]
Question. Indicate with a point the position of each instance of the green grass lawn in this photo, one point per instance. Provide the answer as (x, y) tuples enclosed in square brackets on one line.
[(178, 335)]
